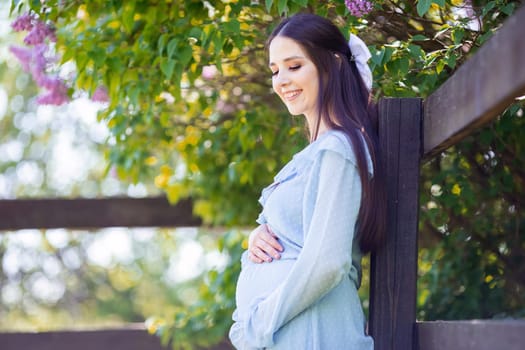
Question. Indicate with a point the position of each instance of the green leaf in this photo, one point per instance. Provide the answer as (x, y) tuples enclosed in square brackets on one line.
[(415, 51), (172, 46), (115, 64), (114, 84), (377, 56), (388, 55), (98, 56), (419, 37), (196, 33), (423, 6), (128, 14), (451, 60), (509, 8), (303, 3), (167, 66), (281, 6), (161, 43), (232, 26), (457, 35), (441, 3), (133, 95), (268, 4), (218, 42), (440, 65), (185, 55), (487, 8), (403, 65), (15, 3), (179, 68), (399, 66)]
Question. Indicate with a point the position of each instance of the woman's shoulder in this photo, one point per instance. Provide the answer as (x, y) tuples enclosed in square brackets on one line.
[(335, 141)]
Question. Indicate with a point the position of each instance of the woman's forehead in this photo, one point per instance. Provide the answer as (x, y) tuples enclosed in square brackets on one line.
[(283, 48)]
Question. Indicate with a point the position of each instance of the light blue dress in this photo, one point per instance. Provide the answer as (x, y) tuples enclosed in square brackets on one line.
[(307, 299)]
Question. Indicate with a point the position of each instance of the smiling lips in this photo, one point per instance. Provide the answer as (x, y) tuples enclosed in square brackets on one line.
[(290, 95)]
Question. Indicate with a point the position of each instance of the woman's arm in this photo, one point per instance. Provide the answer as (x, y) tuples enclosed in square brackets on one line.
[(334, 188)]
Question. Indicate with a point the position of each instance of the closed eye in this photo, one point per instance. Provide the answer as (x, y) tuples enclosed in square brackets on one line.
[(292, 68)]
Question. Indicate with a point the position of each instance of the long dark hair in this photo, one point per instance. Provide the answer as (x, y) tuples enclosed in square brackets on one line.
[(344, 104)]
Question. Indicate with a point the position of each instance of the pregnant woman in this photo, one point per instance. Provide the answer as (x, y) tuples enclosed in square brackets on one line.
[(325, 209)]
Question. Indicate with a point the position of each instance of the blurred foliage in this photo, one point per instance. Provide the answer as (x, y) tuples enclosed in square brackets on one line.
[(191, 107), (205, 322), (57, 278), (472, 220)]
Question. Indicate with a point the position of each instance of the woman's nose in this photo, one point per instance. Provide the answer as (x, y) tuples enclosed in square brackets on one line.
[(282, 79)]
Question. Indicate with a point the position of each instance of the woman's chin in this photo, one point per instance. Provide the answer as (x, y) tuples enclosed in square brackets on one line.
[(294, 112)]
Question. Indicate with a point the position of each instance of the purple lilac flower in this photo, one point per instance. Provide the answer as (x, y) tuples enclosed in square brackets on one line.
[(100, 95), (55, 96), (24, 55), (38, 30), (39, 33), (24, 22), (35, 61), (359, 8), (39, 62)]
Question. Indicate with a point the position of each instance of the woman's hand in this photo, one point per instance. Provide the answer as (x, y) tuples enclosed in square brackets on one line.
[(263, 245)]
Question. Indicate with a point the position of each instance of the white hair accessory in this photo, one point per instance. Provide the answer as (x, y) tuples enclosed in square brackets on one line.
[(361, 55)]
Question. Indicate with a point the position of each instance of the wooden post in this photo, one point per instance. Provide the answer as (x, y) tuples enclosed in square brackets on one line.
[(394, 266)]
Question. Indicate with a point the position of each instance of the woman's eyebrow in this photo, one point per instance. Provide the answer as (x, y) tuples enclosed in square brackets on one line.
[(287, 59)]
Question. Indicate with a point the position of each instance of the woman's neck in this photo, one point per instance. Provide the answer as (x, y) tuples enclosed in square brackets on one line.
[(312, 128)]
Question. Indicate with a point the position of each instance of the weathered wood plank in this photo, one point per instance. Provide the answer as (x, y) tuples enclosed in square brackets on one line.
[(129, 338), (394, 267), (94, 213), (471, 335), (479, 90)]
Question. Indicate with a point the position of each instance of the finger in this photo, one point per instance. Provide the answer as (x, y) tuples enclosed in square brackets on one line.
[(266, 248), (254, 259), (271, 242), (272, 239), (259, 254)]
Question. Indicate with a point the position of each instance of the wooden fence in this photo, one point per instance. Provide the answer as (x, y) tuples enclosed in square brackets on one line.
[(411, 131)]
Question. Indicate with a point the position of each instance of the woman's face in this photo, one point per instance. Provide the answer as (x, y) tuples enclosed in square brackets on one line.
[(294, 77)]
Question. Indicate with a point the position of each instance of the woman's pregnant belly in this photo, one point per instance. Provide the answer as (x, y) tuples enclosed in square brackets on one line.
[(258, 280)]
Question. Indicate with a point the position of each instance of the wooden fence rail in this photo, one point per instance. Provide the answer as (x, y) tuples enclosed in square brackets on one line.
[(479, 90), (471, 335), (130, 337), (95, 213)]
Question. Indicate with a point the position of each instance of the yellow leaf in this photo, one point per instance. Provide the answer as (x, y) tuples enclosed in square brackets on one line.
[(456, 189), (174, 192), (82, 13), (161, 180), (203, 209), (151, 161), (166, 170), (194, 168)]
